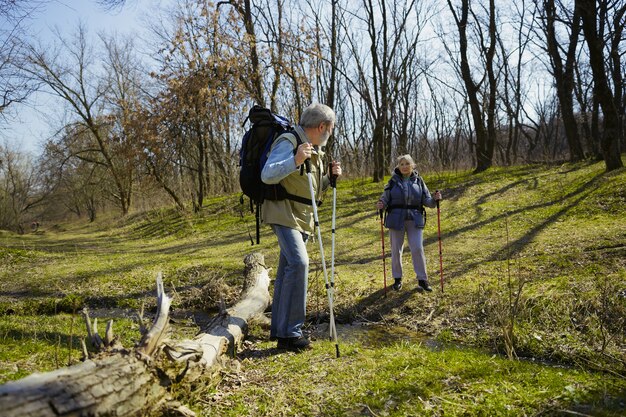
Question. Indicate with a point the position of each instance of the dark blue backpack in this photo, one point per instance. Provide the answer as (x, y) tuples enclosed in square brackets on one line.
[(255, 148)]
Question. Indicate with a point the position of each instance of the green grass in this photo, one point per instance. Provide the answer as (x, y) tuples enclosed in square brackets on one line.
[(44, 343), (407, 379), (560, 229)]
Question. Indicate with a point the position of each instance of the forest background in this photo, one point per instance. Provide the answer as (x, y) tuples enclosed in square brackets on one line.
[(153, 120)]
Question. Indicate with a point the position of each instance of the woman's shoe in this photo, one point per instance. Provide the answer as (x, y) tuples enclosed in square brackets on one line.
[(397, 285), (424, 285)]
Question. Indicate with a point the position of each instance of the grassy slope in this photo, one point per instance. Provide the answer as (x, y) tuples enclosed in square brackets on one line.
[(560, 229)]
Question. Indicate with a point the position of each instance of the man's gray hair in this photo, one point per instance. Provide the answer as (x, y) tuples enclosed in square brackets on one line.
[(315, 114)]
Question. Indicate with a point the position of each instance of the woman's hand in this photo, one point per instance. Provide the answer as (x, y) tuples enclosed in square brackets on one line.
[(437, 195), (380, 205), (336, 169)]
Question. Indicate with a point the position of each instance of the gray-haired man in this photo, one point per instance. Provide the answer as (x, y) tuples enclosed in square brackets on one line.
[(292, 221)]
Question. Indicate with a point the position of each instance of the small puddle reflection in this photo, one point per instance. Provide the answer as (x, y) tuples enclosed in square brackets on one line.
[(374, 335), (113, 313)]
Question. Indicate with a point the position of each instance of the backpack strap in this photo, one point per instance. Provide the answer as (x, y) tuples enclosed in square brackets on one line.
[(296, 140), (293, 137), (403, 206), (420, 207)]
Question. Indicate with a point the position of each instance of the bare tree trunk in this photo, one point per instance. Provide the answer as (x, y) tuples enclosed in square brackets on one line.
[(563, 74), (489, 146), (611, 137), (484, 129), (257, 84), (332, 83), (378, 140)]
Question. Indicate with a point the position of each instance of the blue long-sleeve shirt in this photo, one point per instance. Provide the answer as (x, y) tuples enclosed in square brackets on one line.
[(282, 161)]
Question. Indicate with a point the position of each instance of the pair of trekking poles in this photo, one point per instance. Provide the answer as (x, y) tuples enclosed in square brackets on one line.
[(382, 240), (330, 284)]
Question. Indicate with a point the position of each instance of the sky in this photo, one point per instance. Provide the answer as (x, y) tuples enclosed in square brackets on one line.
[(31, 124)]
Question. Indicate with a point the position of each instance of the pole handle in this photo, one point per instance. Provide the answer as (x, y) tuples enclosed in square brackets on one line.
[(307, 165), (332, 177)]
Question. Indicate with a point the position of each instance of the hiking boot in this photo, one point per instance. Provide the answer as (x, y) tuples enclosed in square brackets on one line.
[(397, 285), (283, 343), (423, 284), (295, 344)]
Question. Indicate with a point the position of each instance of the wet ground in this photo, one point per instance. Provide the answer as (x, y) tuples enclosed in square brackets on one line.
[(372, 335)]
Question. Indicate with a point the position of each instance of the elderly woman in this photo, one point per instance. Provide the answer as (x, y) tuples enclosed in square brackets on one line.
[(404, 199)]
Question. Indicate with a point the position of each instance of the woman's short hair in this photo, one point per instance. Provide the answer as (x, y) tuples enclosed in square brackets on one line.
[(316, 114), (407, 158)]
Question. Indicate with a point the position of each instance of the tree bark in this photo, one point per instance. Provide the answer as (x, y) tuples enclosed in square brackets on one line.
[(563, 74), (484, 126), (122, 382), (611, 138)]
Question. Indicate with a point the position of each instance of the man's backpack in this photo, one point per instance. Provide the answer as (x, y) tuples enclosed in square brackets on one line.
[(255, 148)]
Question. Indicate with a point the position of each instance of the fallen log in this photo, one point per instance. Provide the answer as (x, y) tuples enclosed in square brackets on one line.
[(135, 382)]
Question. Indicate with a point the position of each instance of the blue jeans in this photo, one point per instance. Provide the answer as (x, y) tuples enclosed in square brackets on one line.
[(290, 287)]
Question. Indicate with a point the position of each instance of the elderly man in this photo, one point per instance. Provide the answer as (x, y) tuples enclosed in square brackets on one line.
[(292, 219)]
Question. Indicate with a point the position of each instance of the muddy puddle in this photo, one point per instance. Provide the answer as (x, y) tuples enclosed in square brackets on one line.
[(370, 335), (373, 335)]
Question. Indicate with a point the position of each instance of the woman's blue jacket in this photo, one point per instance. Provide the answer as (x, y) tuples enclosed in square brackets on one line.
[(405, 200)]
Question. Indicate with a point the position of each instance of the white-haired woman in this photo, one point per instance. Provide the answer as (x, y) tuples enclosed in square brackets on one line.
[(404, 199)]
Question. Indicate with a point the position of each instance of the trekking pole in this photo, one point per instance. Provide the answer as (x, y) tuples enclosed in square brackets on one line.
[(439, 237), (382, 241), (329, 287), (333, 183)]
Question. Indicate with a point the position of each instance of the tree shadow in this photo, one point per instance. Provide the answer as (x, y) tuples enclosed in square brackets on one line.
[(484, 198), (599, 402), (254, 353), (577, 196), (378, 304), (50, 338)]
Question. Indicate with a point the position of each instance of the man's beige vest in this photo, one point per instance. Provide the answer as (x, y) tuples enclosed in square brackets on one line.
[(290, 213)]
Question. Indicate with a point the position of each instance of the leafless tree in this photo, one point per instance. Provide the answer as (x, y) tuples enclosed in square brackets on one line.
[(483, 115), (329, 41), (70, 72), (79, 185), (562, 56), (512, 91), (612, 130), (14, 88), (22, 188), (393, 32)]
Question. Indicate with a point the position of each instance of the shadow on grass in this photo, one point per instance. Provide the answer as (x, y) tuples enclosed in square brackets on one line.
[(576, 197), (380, 303), (456, 192), (51, 303), (254, 353), (62, 340), (606, 401)]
